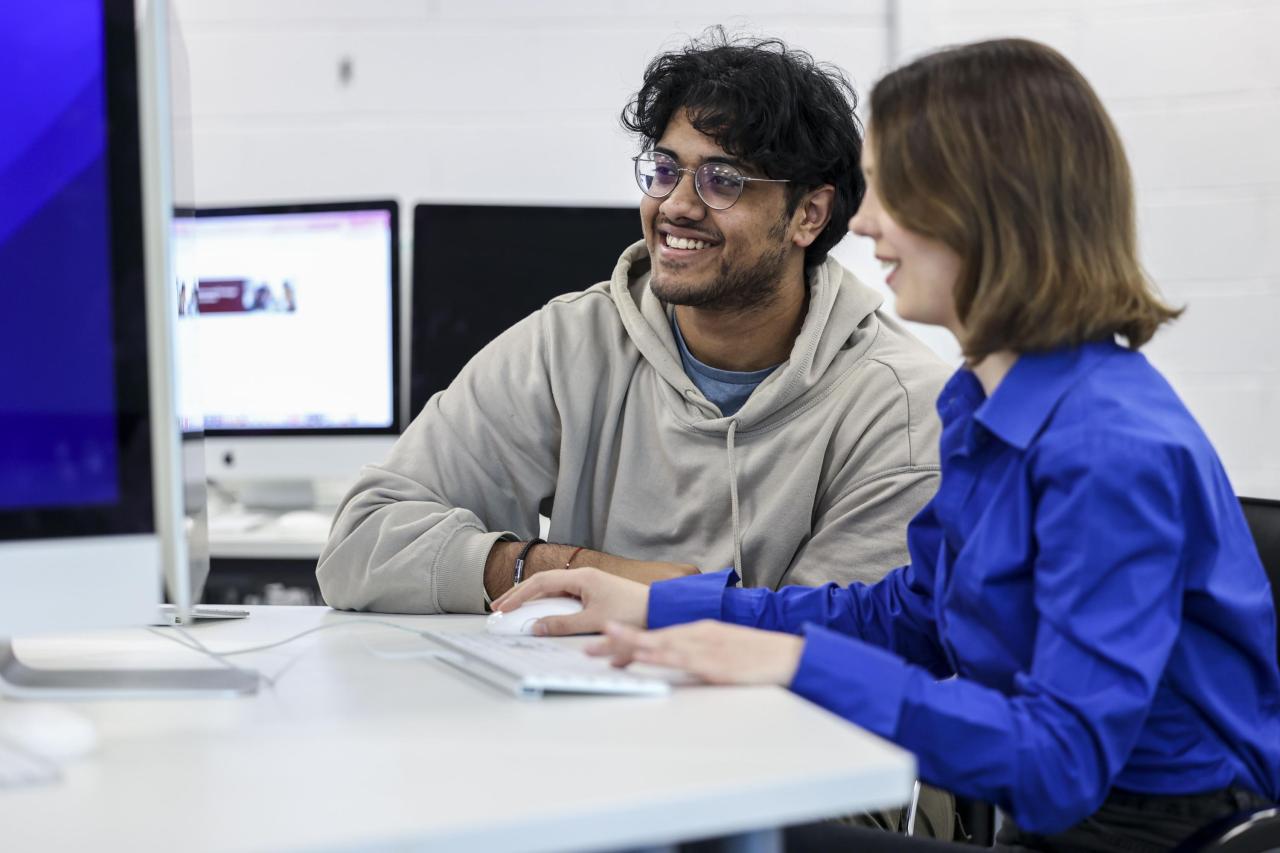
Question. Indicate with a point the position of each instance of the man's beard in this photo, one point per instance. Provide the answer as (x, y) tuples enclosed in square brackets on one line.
[(737, 289)]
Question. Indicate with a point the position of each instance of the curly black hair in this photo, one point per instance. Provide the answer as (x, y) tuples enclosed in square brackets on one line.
[(769, 105)]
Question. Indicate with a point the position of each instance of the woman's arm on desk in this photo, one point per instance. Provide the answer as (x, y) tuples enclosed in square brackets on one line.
[(896, 613)]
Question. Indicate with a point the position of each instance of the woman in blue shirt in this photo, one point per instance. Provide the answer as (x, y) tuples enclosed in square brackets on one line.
[(1085, 635)]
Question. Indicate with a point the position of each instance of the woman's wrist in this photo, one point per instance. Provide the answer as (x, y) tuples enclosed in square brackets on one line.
[(790, 656)]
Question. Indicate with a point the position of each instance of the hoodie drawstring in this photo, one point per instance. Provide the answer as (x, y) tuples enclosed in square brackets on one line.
[(733, 501)]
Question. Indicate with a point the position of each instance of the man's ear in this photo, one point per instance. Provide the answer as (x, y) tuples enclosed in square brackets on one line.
[(812, 215)]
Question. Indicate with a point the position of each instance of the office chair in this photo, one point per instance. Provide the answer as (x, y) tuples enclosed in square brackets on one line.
[(1257, 831), (1250, 832), (977, 820), (1263, 517)]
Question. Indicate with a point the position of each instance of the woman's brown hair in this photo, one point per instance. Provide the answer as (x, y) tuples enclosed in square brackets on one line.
[(1002, 151)]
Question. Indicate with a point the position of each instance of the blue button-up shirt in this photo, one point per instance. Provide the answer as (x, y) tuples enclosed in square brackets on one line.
[(1086, 572)]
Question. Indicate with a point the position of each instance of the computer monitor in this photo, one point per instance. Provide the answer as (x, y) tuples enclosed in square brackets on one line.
[(299, 328), (91, 513), (190, 405), (479, 269)]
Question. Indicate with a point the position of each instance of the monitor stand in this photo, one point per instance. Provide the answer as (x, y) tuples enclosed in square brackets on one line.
[(19, 681)]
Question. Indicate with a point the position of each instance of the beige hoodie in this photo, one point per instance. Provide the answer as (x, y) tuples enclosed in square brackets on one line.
[(583, 410)]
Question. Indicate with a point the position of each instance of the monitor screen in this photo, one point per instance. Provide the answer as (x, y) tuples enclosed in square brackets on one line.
[(298, 309), (74, 424), (480, 269)]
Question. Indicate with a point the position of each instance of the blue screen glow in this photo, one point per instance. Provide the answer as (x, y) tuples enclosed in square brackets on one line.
[(57, 377)]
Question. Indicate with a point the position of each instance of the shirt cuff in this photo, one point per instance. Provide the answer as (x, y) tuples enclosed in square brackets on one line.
[(863, 683), (688, 599)]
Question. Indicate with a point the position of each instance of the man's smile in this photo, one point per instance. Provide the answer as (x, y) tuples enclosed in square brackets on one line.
[(684, 243)]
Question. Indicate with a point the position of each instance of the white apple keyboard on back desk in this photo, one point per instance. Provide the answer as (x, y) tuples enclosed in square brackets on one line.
[(296, 523), (298, 534), (221, 524), (300, 522)]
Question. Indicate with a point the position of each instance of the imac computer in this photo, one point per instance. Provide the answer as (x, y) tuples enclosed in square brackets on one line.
[(91, 508), (479, 269), (187, 330), (298, 329)]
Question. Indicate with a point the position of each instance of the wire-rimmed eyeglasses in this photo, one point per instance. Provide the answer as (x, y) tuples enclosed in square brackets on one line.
[(719, 185)]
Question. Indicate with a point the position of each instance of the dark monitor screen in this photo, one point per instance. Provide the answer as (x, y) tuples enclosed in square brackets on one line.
[(74, 424), (480, 269)]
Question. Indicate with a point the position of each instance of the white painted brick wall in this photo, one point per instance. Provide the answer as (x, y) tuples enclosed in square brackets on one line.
[(501, 100), (1194, 88), (455, 100), (466, 100)]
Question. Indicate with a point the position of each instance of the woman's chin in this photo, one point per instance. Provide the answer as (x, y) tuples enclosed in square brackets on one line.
[(913, 313), (905, 310)]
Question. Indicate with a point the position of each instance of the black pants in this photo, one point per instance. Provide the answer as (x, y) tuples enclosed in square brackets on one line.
[(1126, 823)]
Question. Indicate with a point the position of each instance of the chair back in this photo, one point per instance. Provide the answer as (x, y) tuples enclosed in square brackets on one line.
[(1251, 832), (1263, 517)]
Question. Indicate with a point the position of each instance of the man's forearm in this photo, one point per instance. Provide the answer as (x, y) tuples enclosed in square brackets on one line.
[(499, 569)]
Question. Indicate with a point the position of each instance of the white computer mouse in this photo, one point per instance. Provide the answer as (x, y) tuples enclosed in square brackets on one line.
[(520, 620), (50, 731)]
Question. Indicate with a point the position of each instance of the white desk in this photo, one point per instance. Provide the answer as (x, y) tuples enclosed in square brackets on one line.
[(265, 539), (351, 750)]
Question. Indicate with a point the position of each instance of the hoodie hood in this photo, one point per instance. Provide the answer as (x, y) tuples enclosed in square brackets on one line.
[(838, 321)]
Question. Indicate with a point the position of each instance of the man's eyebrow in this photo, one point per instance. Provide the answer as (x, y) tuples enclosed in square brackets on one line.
[(715, 158)]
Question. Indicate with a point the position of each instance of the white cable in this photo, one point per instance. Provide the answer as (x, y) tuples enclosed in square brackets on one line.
[(187, 640), (195, 645), (286, 640), (190, 642)]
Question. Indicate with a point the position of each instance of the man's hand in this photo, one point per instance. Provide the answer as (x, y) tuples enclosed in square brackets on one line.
[(714, 651), (604, 598)]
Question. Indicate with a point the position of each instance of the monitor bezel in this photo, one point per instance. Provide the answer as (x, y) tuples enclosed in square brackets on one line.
[(423, 283), (388, 205), (133, 511)]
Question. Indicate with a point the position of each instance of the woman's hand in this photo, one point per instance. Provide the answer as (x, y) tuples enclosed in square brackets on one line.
[(716, 652), (605, 598)]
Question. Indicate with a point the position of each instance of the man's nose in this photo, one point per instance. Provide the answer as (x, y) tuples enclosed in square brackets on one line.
[(684, 202)]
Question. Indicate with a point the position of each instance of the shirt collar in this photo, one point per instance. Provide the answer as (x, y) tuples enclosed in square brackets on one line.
[(1029, 393), (960, 396)]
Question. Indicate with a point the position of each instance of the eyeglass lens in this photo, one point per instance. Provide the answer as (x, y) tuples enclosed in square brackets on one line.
[(718, 184)]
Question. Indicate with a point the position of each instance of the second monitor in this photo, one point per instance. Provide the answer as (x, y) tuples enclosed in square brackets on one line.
[(299, 319), (480, 269)]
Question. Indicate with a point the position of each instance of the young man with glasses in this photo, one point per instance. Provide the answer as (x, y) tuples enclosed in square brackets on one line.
[(732, 396)]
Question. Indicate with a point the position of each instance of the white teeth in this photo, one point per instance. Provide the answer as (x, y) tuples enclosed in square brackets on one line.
[(889, 266), (682, 243)]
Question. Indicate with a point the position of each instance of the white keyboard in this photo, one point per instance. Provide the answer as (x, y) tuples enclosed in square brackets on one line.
[(532, 666), (20, 769)]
